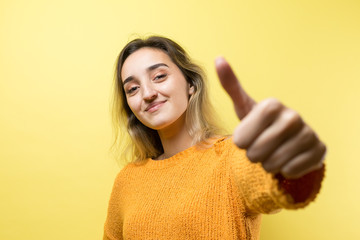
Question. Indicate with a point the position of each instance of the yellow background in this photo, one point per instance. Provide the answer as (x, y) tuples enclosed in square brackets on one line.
[(56, 66)]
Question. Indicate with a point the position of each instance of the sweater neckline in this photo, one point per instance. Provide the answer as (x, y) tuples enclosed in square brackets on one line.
[(194, 151)]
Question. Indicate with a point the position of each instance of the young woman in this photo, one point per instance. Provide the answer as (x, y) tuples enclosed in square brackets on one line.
[(185, 180)]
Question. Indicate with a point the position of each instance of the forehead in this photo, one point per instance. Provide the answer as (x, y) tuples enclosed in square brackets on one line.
[(140, 60)]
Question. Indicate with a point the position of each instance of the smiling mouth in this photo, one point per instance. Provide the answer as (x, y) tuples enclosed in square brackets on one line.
[(154, 106)]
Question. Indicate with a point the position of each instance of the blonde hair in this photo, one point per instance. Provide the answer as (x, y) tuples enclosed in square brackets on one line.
[(145, 142)]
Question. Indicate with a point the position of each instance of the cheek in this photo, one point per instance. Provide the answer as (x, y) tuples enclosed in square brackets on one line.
[(177, 88), (134, 105), (183, 94)]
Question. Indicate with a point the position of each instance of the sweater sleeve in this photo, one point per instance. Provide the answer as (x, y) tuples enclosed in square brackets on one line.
[(263, 192)]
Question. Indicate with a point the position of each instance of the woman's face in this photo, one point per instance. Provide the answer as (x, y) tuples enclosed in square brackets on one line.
[(156, 90)]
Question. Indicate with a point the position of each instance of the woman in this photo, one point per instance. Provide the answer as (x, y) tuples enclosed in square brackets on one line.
[(185, 180)]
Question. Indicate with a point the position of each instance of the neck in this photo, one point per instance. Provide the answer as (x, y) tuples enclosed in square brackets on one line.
[(175, 138)]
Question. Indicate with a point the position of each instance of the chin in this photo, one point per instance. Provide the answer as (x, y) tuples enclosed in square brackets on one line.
[(160, 125)]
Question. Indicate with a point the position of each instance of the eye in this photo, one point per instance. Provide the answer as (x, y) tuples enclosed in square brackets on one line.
[(132, 89), (159, 77)]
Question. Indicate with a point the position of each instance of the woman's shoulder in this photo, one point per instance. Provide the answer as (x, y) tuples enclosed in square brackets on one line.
[(125, 175), (129, 167)]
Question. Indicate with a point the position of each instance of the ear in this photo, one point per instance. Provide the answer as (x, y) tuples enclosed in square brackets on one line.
[(191, 90)]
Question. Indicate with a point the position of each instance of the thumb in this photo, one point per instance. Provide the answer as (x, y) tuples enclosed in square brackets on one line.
[(243, 103)]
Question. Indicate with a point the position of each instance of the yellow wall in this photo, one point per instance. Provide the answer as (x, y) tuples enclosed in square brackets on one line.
[(56, 66)]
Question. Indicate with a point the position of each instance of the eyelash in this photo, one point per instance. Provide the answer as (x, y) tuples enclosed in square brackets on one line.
[(160, 76), (131, 90)]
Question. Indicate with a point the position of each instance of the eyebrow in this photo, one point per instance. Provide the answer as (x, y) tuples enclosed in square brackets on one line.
[(152, 67)]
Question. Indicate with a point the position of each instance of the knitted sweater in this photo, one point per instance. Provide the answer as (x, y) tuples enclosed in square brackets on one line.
[(201, 193)]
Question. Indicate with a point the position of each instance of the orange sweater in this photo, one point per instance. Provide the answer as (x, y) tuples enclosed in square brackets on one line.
[(212, 193)]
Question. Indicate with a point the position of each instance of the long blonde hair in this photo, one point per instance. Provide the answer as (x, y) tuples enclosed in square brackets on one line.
[(145, 142)]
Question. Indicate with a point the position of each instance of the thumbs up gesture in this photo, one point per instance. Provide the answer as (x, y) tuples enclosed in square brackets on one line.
[(271, 133)]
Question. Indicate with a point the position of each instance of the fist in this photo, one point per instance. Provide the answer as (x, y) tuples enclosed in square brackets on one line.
[(271, 133)]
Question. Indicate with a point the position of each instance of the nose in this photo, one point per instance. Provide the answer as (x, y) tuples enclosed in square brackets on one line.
[(149, 92)]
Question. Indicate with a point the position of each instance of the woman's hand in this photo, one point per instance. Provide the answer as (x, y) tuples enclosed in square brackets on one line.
[(271, 133)]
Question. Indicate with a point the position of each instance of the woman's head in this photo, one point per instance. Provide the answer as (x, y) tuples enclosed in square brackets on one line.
[(156, 91), (145, 139)]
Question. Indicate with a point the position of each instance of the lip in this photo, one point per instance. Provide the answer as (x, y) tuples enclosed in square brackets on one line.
[(152, 107)]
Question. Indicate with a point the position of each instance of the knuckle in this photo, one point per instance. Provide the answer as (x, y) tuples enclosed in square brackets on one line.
[(323, 148), (309, 135), (269, 167), (322, 152), (288, 173), (271, 106), (292, 117), (292, 122), (272, 101), (253, 156), (275, 161), (239, 143)]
